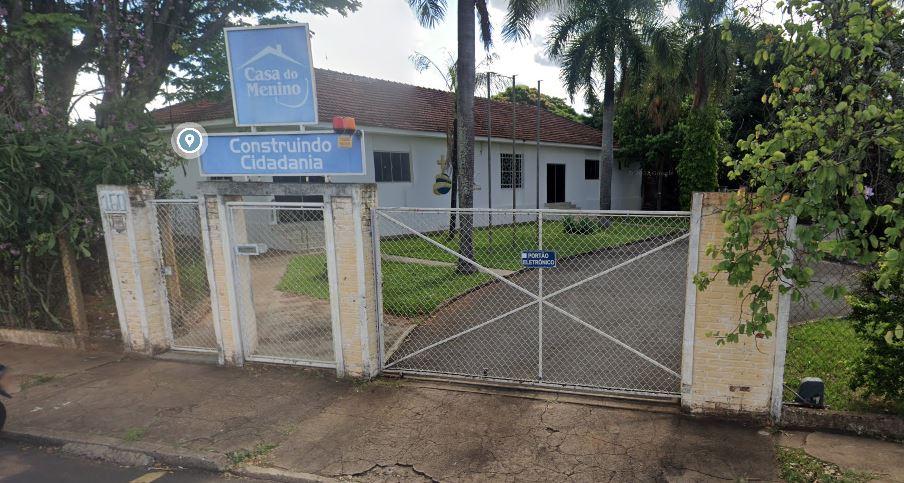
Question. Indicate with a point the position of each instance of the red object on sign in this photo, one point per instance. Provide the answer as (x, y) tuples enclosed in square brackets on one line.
[(341, 123)]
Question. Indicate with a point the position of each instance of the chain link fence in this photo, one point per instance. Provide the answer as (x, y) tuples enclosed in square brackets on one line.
[(185, 273), (282, 282), (608, 316), (821, 341)]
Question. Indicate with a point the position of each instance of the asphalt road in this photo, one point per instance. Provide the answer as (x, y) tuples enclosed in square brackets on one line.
[(31, 464)]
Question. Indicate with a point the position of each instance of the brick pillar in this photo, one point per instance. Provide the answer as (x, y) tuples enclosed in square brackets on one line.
[(730, 378), (133, 248), (351, 227), (222, 285)]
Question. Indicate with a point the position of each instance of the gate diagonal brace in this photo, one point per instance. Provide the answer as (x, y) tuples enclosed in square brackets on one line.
[(536, 298)]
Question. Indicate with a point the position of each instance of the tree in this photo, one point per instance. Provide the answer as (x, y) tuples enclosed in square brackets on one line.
[(528, 96), (589, 38), (709, 59), (448, 72), (833, 155), (131, 45), (429, 13), (709, 49)]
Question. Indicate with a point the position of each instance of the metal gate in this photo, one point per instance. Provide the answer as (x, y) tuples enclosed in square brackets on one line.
[(284, 278), (609, 315), (190, 324)]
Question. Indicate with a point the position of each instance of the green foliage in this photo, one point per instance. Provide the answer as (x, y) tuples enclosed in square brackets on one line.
[(134, 434), (253, 455), (827, 349), (834, 154), (528, 95), (878, 316), (702, 147), (796, 466), (579, 226), (48, 175)]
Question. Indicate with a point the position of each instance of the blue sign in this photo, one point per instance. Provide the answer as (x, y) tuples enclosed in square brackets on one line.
[(538, 259), (272, 75), (290, 154)]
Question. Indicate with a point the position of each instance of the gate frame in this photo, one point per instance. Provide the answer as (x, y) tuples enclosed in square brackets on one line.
[(539, 299), (164, 291), (332, 276)]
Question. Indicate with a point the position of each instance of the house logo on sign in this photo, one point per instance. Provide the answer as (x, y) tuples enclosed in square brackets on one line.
[(266, 75), (272, 75)]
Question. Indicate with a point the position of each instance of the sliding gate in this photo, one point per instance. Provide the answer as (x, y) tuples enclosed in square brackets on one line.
[(607, 316)]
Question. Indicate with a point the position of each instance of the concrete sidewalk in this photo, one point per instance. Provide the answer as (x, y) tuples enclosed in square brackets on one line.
[(309, 422)]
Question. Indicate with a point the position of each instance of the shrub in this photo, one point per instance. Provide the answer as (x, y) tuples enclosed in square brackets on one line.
[(578, 226), (698, 169), (878, 316)]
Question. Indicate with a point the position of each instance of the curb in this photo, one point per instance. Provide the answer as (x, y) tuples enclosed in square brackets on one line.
[(118, 451), (278, 474)]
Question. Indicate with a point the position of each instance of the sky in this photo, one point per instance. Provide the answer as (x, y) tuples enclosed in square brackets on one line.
[(378, 40)]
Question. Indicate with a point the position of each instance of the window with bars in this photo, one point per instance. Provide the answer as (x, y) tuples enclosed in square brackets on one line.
[(511, 167), (295, 216), (392, 167)]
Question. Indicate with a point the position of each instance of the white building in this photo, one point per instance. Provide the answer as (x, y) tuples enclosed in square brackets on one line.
[(405, 138)]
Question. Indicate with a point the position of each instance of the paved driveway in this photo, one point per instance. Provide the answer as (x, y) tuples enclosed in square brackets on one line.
[(640, 305)]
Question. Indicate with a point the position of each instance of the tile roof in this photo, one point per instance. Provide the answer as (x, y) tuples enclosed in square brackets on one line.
[(386, 104)]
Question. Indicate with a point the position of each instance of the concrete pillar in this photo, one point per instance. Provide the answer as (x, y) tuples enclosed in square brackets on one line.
[(731, 378), (351, 224), (221, 283), (133, 250)]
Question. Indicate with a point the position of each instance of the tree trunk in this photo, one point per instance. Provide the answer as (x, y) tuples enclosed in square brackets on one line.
[(607, 159), (74, 291), (452, 153), (701, 82), (466, 71)]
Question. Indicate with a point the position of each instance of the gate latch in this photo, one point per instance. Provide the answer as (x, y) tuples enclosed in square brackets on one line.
[(167, 271), (249, 249)]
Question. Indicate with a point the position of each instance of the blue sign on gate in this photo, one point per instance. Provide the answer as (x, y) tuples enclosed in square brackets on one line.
[(289, 154), (272, 75), (538, 259)]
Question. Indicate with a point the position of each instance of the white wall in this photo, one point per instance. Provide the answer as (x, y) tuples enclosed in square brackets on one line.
[(425, 151)]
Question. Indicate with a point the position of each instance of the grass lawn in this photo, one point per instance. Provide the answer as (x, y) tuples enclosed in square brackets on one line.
[(826, 349), (796, 466), (501, 246), (410, 290)]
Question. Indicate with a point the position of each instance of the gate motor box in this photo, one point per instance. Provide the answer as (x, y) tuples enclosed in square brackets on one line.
[(811, 392)]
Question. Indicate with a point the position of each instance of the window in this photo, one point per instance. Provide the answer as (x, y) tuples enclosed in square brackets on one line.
[(511, 167), (392, 167), (591, 169), (295, 216)]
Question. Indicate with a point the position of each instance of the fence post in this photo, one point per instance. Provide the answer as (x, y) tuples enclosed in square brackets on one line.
[(135, 267), (690, 300), (357, 283), (222, 283), (74, 291), (781, 326), (734, 378)]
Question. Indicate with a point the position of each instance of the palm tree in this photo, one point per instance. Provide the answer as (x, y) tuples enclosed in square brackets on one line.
[(590, 38), (448, 72), (429, 13), (709, 52)]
